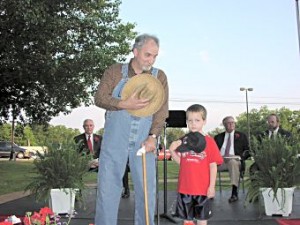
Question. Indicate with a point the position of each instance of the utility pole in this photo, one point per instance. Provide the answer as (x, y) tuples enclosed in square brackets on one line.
[(298, 22)]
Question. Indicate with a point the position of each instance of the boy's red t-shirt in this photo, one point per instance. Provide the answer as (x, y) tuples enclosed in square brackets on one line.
[(194, 172)]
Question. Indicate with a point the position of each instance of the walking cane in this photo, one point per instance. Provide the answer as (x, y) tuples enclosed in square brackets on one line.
[(145, 188), (142, 152)]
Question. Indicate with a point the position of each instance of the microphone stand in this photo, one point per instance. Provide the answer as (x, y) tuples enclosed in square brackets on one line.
[(165, 214), (157, 181)]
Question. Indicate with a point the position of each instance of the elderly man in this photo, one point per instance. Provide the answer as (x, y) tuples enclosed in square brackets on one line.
[(232, 145), (133, 120), (89, 143)]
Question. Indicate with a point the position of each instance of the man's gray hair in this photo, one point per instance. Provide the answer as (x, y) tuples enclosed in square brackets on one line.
[(87, 120), (142, 39), (227, 118)]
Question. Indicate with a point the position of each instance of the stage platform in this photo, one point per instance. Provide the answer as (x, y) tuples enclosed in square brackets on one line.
[(224, 213)]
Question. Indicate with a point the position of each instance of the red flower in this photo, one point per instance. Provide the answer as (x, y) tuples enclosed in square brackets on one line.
[(44, 216), (36, 218), (46, 211), (236, 135), (26, 220), (5, 223), (96, 138)]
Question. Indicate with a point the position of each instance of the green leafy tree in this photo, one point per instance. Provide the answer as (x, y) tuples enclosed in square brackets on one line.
[(26, 136), (40, 133), (100, 131), (216, 131), (289, 120), (5, 132), (29, 136), (257, 121), (52, 54), (19, 137), (58, 135)]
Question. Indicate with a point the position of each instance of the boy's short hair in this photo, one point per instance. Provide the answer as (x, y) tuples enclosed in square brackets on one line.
[(197, 108)]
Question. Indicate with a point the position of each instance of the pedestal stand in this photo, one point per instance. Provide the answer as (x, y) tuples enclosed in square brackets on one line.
[(175, 119)]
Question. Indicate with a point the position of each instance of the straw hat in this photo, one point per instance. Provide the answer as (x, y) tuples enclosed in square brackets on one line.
[(147, 87)]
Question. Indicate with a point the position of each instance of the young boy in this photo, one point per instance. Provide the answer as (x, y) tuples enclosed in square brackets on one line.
[(198, 156)]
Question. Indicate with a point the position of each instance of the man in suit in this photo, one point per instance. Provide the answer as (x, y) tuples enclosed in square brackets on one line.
[(272, 132), (234, 146), (274, 128), (89, 143)]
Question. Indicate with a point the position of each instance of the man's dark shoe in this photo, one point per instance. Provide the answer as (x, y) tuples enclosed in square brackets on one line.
[(126, 194), (233, 198)]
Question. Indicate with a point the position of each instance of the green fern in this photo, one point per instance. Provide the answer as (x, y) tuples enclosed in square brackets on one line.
[(58, 168), (278, 165)]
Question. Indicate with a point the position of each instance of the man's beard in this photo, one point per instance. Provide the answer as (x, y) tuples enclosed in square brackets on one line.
[(146, 68)]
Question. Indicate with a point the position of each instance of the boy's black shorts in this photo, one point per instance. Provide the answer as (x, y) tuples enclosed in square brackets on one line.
[(191, 207)]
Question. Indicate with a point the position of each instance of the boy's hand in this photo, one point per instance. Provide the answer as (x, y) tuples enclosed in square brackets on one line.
[(211, 192), (174, 145)]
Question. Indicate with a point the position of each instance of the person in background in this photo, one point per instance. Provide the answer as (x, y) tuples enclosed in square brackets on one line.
[(233, 143), (126, 189), (274, 128), (198, 157), (124, 133), (89, 143), (272, 132)]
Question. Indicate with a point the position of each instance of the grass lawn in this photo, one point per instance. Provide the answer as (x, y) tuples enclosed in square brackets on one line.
[(15, 175)]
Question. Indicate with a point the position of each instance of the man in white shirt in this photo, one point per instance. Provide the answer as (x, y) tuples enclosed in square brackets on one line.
[(233, 146), (89, 143)]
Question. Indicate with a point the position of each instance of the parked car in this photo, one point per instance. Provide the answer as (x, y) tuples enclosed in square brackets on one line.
[(31, 151), (161, 155), (5, 149)]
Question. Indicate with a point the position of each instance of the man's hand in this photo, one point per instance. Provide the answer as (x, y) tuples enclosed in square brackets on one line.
[(133, 102), (150, 144), (94, 163)]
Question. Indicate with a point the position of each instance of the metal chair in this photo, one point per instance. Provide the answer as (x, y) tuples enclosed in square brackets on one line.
[(241, 178)]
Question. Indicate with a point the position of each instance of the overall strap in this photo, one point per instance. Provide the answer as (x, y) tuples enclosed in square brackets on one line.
[(154, 71), (124, 70)]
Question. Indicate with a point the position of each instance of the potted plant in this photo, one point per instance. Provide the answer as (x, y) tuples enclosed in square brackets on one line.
[(276, 175), (59, 173)]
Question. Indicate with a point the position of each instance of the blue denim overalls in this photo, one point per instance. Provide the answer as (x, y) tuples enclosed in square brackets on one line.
[(123, 136)]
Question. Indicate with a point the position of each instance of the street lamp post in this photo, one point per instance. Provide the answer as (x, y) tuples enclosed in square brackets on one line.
[(248, 121), (298, 22)]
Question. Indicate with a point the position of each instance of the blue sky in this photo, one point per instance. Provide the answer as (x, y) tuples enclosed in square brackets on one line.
[(209, 49)]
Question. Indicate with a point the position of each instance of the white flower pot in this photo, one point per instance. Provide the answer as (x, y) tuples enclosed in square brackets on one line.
[(62, 201), (282, 204)]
